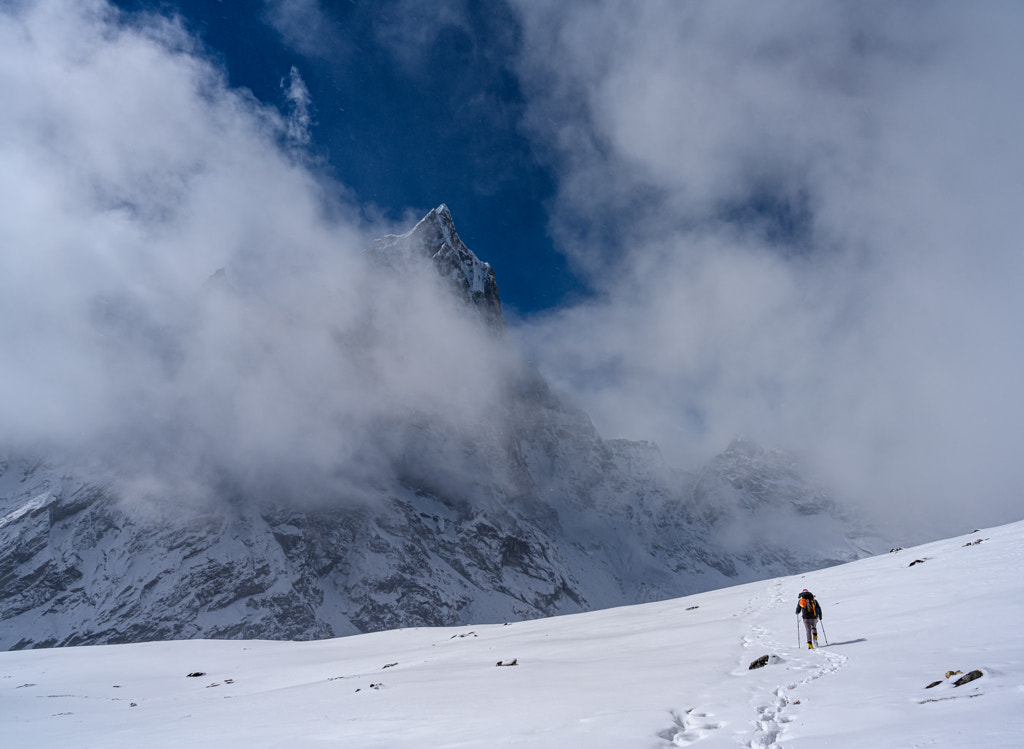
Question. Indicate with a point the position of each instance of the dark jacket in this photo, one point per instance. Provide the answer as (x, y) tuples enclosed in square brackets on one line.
[(813, 611)]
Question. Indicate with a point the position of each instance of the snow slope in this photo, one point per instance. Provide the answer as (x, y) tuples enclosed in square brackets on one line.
[(663, 674)]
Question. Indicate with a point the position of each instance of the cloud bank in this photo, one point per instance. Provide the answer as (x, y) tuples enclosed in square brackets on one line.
[(803, 222), (800, 222), (180, 292)]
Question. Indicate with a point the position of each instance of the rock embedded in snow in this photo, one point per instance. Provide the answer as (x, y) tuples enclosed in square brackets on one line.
[(759, 662), (968, 678)]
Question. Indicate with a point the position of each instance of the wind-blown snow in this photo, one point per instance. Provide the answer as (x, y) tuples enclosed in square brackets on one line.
[(673, 673), (27, 508)]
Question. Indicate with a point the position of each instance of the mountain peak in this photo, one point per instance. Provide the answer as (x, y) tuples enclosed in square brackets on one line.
[(435, 239)]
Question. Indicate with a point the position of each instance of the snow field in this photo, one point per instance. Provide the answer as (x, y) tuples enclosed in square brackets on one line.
[(666, 674)]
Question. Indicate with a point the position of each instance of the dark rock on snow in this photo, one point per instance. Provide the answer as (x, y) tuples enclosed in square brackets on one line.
[(759, 663), (968, 678)]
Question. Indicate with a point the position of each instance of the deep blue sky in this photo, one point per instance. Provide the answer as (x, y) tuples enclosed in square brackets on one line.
[(410, 135)]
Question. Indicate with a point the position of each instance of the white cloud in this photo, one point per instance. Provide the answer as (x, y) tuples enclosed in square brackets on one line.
[(300, 120), (130, 173), (306, 27), (803, 220)]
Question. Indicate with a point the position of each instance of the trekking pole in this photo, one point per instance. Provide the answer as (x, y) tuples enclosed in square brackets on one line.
[(823, 634), (798, 631)]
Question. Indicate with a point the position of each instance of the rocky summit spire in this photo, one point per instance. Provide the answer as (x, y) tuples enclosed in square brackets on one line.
[(435, 239)]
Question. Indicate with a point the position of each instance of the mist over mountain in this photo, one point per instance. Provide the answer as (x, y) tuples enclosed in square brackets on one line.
[(465, 491), (246, 389)]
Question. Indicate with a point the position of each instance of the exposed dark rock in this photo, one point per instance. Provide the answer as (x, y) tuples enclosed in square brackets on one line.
[(759, 663), (434, 238), (968, 678)]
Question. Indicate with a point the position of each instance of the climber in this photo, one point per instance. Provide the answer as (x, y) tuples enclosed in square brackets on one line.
[(811, 610)]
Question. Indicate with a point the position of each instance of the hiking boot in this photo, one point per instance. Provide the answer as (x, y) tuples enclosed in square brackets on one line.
[(810, 647)]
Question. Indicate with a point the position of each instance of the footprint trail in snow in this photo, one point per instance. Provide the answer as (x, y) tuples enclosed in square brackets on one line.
[(690, 727), (775, 700), (774, 712)]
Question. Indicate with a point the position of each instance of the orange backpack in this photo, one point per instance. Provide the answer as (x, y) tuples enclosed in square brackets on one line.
[(810, 606)]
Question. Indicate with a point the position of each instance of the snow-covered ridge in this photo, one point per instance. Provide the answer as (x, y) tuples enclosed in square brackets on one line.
[(901, 628)]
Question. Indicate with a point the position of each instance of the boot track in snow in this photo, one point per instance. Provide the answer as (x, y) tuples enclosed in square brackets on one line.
[(775, 706)]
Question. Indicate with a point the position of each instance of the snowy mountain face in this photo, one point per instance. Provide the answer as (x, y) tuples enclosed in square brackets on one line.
[(751, 497), (526, 512)]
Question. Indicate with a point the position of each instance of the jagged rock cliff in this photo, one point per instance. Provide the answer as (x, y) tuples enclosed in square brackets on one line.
[(434, 239)]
